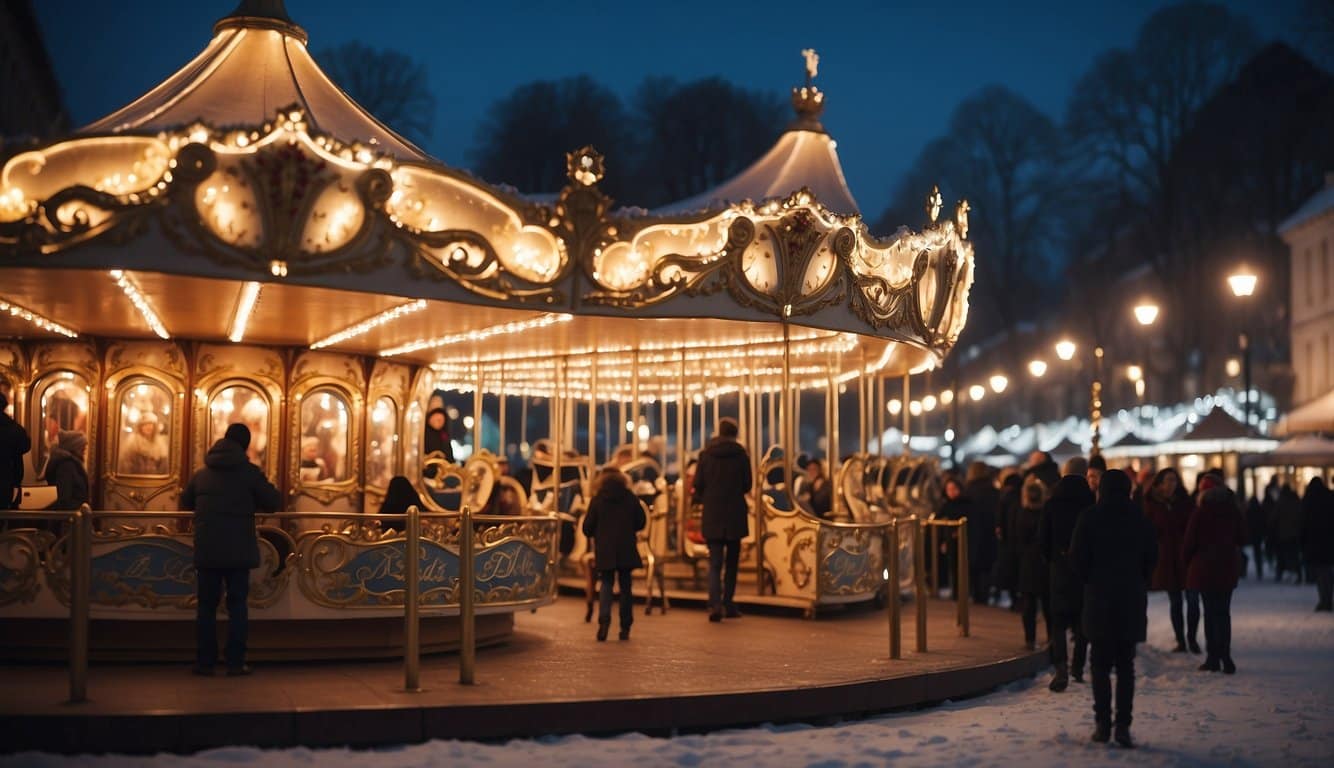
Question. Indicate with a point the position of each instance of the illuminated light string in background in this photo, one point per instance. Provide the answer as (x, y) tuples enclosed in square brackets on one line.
[(44, 323), (480, 334), (140, 302), (370, 323)]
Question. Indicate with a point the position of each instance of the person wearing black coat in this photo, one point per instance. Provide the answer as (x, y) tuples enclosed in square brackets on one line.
[(436, 439), (1318, 539), (981, 530), (1113, 552), (1007, 561), (65, 470), (1212, 549), (956, 506), (1041, 463), (399, 496), (14, 442), (225, 495), (1033, 579), (1065, 596), (615, 516), (722, 480)]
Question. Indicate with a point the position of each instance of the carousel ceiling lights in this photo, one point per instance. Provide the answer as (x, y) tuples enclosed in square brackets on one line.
[(518, 326), (245, 304), (370, 323), (36, 319), (139, 301)]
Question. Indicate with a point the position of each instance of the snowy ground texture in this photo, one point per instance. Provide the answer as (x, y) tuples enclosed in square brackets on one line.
[(1277, 710)]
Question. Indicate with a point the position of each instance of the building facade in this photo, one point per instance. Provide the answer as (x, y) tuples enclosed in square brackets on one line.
[(1309, 234)]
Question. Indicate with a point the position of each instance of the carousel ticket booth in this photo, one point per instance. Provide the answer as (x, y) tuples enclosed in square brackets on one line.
[(235, 249)]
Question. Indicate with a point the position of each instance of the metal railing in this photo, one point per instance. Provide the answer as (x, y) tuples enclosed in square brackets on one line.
[(961, 585), (79, 561)]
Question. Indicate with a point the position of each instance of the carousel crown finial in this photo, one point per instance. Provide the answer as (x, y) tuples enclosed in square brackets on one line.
[(808, 100), (262, 14)]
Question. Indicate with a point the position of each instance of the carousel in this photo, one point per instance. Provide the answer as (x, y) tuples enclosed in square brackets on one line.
[(245, 244)]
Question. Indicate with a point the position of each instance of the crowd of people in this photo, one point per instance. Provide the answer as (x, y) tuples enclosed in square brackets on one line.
[(1083, 545)]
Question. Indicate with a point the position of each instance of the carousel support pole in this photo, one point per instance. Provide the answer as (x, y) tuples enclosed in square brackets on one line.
[(716, 397), (796, 421), (907, 412), (620, 423), (682, 448), (892, 601), (835, 451), (501, 448), (558, 430), (412, 603), (788, 427), (775, 429), (634, 399), (607, 429), (593, 412), (477, 397), (962, 577), (862, 445), (80, 548), (467, 610), (881, 408), (919, 582), (523, 421), (662, 427)]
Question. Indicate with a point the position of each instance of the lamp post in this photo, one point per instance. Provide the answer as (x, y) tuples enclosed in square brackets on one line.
[(1242, 282)]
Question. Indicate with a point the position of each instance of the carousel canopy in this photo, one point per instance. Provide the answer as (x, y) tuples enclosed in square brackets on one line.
[(248, 198)]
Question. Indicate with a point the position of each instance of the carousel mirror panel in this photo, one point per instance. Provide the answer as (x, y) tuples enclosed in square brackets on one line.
[(325, 437), (413, 427), (61, 402), (382, 443), (240, 403), (145, 429)]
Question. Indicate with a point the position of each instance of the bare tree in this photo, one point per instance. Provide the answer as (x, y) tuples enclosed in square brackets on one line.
[(390, 85), (524, 137), (696, 135), (1002, 154)]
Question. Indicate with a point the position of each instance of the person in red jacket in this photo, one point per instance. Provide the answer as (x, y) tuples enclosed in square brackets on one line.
[(1216, 533), (1168, 507)]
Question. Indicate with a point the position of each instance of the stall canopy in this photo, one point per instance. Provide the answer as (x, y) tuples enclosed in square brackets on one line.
[(247, 197), (1315, 416), (1300, 451), (1217, 432)]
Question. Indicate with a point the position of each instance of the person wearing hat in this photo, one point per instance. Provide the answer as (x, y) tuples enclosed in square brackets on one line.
[(225, 496), (144, 451), (14, 442), (66, 472)]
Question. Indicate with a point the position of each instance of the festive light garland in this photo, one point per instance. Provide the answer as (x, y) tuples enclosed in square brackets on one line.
[(245, 305), (44, 323), (140, 302), (370, 323), (481, 334)]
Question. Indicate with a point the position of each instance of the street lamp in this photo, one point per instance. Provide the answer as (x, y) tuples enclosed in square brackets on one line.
[(929, 403), (1038, 368), (1065, 349), (1134, 373), (998, 383), (1146, 312), (977, 392), (895, 406), (1243, 283)]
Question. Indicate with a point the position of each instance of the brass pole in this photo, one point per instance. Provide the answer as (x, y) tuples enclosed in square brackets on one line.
[(881, 408), (593, 412), (467, 617), (963, 577), (503, 449), (835, 441), (919, 580), (935, 561), (682, 450), (907, 412), (634, 399), (412, 603), (786, 441), (558, 429), (863, 409), (80, 549), (477, 411), (892, 591), (662, 426), (523, 422)]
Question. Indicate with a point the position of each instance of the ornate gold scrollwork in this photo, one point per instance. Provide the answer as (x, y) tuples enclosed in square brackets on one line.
[(849, 560), (22, 551)]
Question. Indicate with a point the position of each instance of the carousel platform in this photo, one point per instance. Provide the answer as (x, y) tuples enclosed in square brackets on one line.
[(677, 673)]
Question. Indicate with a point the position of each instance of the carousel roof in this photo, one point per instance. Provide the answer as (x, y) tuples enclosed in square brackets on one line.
[(248, 198), (255, 65), (804, 156)]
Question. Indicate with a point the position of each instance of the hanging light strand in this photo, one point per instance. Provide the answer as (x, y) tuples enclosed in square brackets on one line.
[(370, 324), (481, 334), (245, 305), (140, 302), (46, 324)]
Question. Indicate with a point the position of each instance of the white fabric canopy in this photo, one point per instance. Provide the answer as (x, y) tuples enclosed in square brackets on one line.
[(1300, 451), (1315, 416), (800, 158)]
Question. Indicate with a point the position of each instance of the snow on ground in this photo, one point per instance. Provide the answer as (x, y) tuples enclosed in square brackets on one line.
[(1277, 710)]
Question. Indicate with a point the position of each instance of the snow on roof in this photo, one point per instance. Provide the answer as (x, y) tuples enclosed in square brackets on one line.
[(800, 158), (256, 64), (1320, 203)]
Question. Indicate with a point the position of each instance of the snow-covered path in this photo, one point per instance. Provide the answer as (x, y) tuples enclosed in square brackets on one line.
[(1278, 710)]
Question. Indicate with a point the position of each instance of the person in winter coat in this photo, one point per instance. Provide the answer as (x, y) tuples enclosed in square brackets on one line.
[(14, 442), (615, 515), (1168, 507), (1065, 595), (722, 480), (1255, 529), (956, 506), (1007, 559), (1318, 539), (1033, 580), (65, 470), (1041, 463), (225, 495), (436, 439), (981, 530), (1288, 533), (399, 496), (1214, 537), (1113, 552)]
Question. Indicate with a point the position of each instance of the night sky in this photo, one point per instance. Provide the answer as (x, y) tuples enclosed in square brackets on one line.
[(892, 72)]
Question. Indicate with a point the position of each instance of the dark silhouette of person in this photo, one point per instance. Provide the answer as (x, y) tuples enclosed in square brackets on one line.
[(1212, 548), (1060, 513), (14, 443), (615, 517), (65, 470), (722, 480), (399, 496), (225, 496), (1113, 552)]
